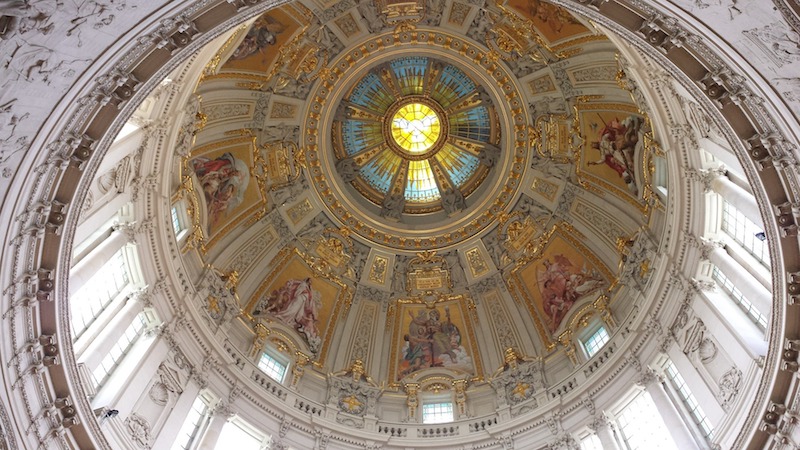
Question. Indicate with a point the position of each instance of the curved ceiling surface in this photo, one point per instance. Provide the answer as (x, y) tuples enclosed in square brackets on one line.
[(402, 201), (421, 153)]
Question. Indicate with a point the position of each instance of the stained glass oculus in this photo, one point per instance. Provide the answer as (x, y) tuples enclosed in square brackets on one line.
[(418, 126)]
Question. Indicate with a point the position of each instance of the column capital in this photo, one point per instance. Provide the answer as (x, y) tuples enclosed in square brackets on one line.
[(698, 286), (506, 440), (705, 245), (705, 176), (599, 422), (223, 410), (649, 377), (127, 229)]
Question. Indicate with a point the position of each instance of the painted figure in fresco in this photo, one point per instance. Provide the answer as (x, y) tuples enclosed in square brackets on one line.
[(223, 180), (443, 335), (432, 342), (552, 15), (297, 305), (561, 285), (617, 143), (418, 348), (264, 32)]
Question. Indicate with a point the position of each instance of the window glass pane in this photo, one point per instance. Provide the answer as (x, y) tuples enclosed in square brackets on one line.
[(642, 427), (437, 412), (421, 185), (188, 434), (745, 233), (596, 341), (95, 296), (737, 296), (176, 221), (121, 347), (272, 367), (591, 442), (234, 436), (689, 400)]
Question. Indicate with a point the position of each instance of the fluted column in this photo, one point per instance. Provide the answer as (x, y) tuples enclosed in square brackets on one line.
[(603, 428), (676, 426)]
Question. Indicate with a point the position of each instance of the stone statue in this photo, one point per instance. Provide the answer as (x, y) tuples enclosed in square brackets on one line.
[(483, 96), (530, 207), (524, 65), (433, 15), (489, 155), (480, 26), (292, 191), (315, 228), (393, 206), (453, 201), (399, 275), (373, 19), (279, 133), (348, 169), (457, 276)]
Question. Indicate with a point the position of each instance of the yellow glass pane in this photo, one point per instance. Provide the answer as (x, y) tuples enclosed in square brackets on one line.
[(421, 185), (415, 128)]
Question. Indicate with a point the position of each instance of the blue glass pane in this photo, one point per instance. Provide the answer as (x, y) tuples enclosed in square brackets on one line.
[(410, 74), (471, 124), (380, 171), (358, 135), (452, 85), (370, 93), (421, 186), (459, 164)]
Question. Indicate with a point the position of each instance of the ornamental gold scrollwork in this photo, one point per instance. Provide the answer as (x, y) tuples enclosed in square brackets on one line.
[(522, 30), (187, 192), (555, 141), (428, 274)]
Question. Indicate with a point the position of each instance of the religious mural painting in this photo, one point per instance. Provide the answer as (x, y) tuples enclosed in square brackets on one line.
[(260, 46), (562, 274), (430, 336), (553, 23), (223, 175), (300, 298), (613, 150)]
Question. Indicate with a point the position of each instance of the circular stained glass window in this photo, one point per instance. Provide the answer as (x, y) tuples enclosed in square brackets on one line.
[(415, 128), (411, 136)]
